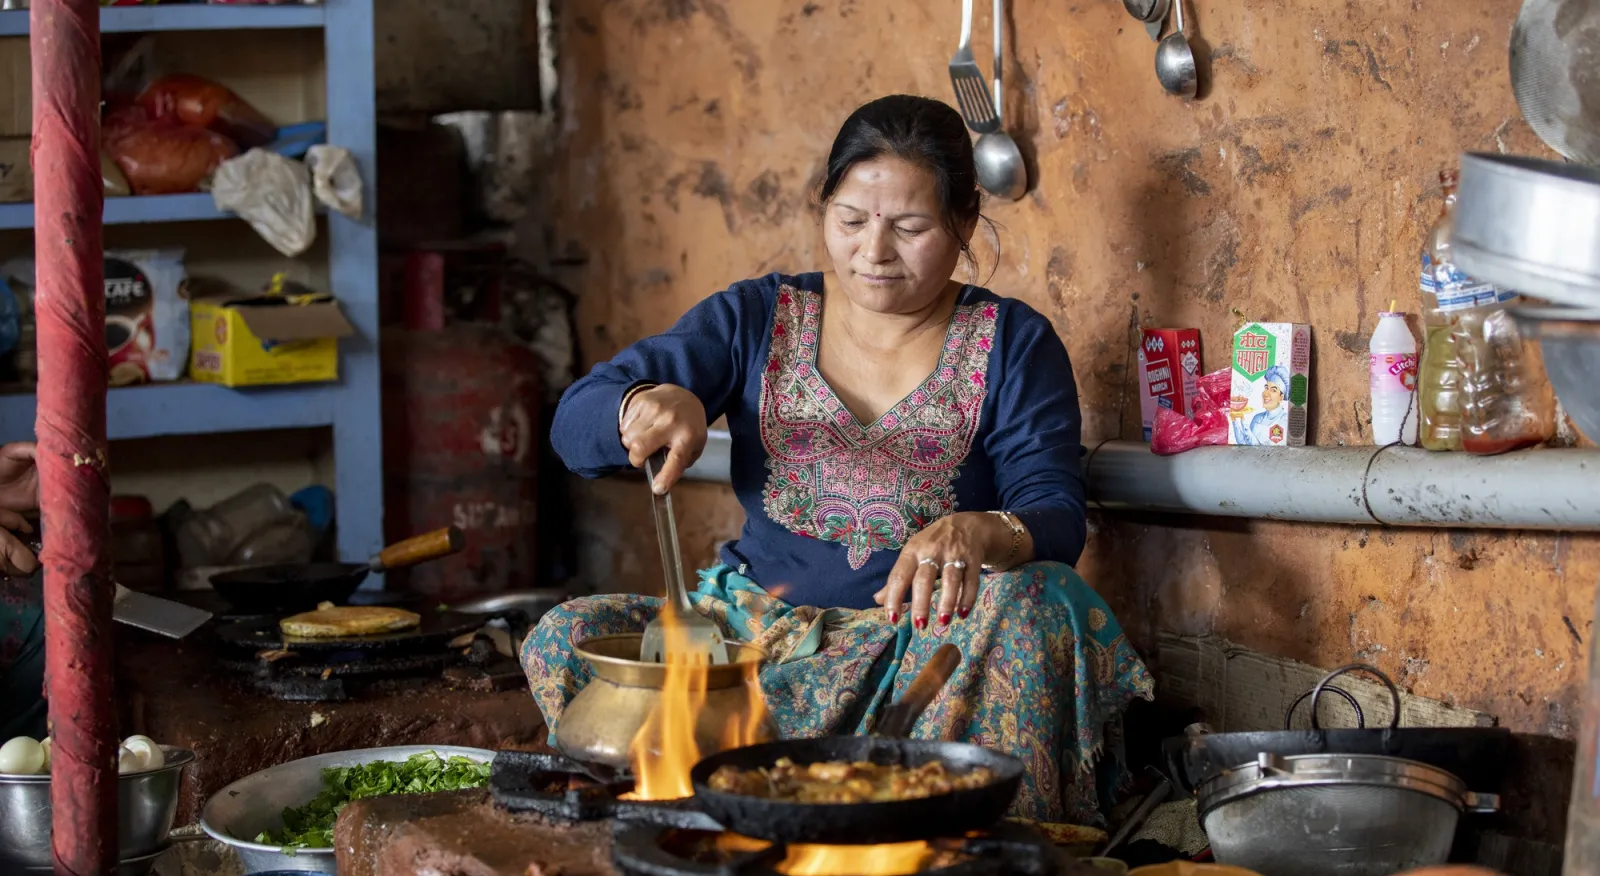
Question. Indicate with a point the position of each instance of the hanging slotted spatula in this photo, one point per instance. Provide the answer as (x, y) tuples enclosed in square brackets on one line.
[(972, 93), (698, 639), (151, 613)]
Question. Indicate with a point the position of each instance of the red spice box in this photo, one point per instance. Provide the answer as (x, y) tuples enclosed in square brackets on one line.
[(1169, 373)]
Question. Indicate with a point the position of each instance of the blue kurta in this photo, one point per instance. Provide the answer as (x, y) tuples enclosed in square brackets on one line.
[(829, 501)]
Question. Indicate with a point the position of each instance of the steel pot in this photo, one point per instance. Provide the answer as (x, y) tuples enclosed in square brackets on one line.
[(601, 721), (1334, 814), (147, 801), (239, 812)]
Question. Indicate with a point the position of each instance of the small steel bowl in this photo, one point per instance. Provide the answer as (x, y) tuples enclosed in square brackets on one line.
[(147, 801), (238, 813)]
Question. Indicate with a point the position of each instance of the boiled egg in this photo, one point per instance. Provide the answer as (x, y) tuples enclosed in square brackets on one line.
[(22, 756), (46, 744), (139, 753)]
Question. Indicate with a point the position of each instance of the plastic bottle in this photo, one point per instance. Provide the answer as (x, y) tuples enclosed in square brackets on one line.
[(1481, 388), (1394, 380)]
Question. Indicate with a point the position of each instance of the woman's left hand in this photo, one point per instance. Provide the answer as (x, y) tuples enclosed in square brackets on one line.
[(953, 548), (19, 478)]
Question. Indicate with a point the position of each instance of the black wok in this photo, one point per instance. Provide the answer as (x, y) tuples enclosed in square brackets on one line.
[(950, 814), (302, 586), (1476, 755)]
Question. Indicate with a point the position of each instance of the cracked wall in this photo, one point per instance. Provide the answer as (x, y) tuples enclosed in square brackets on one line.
[(1299, 187)]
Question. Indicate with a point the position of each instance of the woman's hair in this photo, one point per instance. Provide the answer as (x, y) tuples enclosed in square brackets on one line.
[(924, 132)]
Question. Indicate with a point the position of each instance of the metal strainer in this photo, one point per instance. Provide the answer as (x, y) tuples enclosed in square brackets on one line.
[(1555, 74), (1334, 814)]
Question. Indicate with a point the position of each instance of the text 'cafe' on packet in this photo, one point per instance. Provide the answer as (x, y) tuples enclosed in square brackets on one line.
[(1271, 375)]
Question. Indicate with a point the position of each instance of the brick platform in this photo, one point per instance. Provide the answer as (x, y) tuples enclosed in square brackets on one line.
[(463, 834), (177, 694)]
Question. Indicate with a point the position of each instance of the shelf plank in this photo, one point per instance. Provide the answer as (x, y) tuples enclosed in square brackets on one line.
[(187, 16), (197, 207), (191, 409)]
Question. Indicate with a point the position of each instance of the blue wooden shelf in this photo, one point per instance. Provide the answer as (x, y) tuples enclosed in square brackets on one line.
[(191, 409), (132, 210), (186, 16)]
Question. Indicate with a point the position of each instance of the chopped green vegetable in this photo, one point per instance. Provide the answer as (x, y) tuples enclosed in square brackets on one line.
[(311, 826)]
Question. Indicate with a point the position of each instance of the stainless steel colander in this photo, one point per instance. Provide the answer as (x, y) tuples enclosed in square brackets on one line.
[(1555, 74), (1334, 814)]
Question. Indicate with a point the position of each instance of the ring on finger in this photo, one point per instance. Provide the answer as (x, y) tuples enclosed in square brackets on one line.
[(928, 561), (958, 565)]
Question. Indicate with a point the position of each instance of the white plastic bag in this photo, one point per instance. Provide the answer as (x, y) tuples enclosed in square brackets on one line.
[(335, 179), (273, 194)]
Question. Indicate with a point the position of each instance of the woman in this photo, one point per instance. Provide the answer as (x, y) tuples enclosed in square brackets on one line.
[(895, 434), (22, 706)]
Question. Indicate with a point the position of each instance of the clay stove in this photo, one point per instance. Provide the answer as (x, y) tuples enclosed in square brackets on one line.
[(672, 838)]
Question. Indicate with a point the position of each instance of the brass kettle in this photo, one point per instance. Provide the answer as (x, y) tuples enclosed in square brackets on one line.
[(599, 724)]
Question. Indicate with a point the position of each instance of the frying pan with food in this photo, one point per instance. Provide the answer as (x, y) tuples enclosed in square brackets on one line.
[(950, 814), (301, 586)]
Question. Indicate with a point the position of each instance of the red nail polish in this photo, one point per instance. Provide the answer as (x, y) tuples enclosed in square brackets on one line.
[(944, 620), (921, 623), (894, 617), (962, 613)]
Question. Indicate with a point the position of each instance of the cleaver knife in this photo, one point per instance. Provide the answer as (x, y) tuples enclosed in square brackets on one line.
[(151, 613)]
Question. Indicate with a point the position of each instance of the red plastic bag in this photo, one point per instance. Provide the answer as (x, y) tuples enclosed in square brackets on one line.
[(162, 157), (193, 100), (1175, 433)]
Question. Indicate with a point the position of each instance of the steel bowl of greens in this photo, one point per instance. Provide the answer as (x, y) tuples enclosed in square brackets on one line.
[(282, 818)]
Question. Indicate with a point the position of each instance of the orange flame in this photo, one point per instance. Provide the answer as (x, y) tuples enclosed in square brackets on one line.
[(665, 748), (893, 859)]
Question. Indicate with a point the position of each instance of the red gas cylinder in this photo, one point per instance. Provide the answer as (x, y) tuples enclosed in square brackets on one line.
[(460, 414)]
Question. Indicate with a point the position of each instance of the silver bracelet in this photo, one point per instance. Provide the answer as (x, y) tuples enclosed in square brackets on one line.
[(1017, 532)]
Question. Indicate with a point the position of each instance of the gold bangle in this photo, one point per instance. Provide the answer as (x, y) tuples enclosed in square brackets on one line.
[(1017, 531), (627, 398)]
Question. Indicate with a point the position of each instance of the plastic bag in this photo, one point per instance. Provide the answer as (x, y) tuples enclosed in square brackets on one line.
[(162, 157), (334, 179), (1175, 433), (273, 194), (193, 100)]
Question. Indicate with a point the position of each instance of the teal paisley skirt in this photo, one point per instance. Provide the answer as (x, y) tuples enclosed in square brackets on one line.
[(1045, 677)]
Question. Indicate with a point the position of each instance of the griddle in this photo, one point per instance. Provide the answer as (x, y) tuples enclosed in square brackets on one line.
[(435, 631), (1476, 755)]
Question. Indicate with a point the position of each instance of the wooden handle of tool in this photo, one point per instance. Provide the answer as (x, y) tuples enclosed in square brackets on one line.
[(421, 548), (920, 693)]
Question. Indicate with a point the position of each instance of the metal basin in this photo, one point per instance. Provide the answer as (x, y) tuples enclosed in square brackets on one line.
[(1530, 225), (147, 801), (1570, 341), (238, 813)]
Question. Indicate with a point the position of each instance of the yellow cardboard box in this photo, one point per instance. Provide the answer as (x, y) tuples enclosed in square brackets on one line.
[(266, 339)]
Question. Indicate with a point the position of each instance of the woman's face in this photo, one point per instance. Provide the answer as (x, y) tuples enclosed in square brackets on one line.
[(1271, 396), (890, 248)]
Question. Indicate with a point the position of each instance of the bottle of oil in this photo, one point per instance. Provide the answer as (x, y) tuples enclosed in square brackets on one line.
[(1479, 385)]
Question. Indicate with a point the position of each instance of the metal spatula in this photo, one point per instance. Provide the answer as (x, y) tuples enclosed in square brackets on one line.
[(972, 93), (699, 640), (151, 613)]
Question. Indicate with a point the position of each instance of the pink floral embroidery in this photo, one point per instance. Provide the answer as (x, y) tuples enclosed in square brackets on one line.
[(867, 487)]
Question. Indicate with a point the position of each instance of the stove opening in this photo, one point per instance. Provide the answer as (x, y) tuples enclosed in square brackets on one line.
[(890, 859)]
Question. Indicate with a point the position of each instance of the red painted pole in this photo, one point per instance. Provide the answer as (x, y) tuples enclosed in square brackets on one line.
[(71, 427)]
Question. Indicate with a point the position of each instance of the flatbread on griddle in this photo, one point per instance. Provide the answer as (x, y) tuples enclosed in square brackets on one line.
[(337, 622)]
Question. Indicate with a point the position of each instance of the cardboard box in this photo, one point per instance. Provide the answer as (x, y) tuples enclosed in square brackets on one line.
[(266, 339), (1169, 373), (1271, 385)]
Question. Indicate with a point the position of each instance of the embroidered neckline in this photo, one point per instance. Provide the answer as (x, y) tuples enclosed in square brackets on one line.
[(810, 345), (868, 487)]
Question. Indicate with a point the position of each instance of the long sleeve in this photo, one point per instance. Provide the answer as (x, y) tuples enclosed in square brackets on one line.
[(1037, 440), (704, 353)]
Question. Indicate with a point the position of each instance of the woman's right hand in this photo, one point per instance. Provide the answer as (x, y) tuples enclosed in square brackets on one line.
[(665, 416), (16, 558)]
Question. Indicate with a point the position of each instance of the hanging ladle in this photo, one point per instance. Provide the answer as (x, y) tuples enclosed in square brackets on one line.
[(1175, 59)]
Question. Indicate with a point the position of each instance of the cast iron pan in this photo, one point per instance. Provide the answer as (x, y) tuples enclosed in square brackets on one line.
[(1476, 755), (300, 587), (436, 629), (951, 814)]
